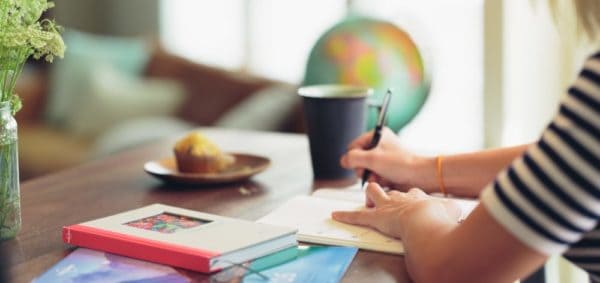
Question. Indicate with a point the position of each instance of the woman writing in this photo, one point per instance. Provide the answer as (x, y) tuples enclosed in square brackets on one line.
[(537, 200)]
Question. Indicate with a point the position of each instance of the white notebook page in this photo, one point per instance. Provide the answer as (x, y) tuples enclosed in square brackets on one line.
[(311, 215)]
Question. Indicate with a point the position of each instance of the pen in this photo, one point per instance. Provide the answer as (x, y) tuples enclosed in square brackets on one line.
[(377, 133)]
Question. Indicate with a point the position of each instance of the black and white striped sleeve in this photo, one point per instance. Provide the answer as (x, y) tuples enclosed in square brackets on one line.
[(550, 197)]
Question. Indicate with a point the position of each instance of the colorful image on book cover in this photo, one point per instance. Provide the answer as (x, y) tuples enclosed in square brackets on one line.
[(91, 266), (167, 223), (296, 264)]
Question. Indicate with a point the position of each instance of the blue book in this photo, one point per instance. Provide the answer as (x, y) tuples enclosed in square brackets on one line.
[(297, 264)]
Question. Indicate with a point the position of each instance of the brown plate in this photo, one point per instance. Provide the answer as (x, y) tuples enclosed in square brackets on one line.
[(244, 167)]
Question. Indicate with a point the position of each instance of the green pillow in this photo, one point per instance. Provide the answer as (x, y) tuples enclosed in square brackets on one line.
[(70, 76)]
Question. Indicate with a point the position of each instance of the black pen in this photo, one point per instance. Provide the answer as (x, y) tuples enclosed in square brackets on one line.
[(377, 133)]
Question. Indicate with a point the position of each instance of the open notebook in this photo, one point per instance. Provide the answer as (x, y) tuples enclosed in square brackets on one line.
[(311, 215)]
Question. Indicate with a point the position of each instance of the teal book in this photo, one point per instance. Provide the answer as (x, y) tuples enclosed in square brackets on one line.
[(325, 264), (296, 264)]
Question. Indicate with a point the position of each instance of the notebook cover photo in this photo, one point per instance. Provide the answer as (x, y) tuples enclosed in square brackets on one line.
[(90, 266), (296, 264), (179, 237)]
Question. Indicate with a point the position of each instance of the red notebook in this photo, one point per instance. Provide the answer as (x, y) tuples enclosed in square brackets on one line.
[(179, 237)]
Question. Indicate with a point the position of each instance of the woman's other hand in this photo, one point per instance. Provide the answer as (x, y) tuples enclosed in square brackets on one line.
[(394, 210)]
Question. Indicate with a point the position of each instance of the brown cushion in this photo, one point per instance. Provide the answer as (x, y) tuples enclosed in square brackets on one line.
[(210, 91), (32, 87)]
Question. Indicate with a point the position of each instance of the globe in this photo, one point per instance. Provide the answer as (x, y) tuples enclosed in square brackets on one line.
[(362, 51)]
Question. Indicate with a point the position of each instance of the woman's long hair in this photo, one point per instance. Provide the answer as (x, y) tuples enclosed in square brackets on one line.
[(585, 12)]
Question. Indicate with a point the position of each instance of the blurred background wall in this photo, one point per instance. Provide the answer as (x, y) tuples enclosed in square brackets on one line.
[(501, 62), (272, 39), (499, 67), (114, 17)]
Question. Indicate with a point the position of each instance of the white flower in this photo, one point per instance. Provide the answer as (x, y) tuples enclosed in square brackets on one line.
[(23, 34)]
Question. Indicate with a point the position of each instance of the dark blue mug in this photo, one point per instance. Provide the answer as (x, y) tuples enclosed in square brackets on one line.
[(335, 115)]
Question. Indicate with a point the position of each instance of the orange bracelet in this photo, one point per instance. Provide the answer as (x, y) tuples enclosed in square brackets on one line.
[(440, 176)]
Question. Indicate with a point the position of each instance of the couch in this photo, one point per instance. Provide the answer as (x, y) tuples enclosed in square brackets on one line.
[(209, 97)]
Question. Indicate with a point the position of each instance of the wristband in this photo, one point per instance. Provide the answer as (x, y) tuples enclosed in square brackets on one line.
[(439, 175)]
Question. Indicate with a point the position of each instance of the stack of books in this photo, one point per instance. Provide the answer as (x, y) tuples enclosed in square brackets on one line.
[(150, 242)]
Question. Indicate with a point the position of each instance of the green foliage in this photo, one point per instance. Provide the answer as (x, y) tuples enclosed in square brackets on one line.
[(23, 34)]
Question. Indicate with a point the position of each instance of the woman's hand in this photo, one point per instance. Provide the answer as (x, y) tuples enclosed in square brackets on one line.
[(394, 211), (432, 239), (391, 165)]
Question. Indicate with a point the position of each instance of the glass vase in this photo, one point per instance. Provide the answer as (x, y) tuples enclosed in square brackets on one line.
[(10, 207)]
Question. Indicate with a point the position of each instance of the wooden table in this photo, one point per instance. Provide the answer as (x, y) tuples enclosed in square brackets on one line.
[(118, 183)]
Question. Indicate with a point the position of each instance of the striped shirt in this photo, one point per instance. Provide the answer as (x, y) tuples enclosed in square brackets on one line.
[(549, 198)]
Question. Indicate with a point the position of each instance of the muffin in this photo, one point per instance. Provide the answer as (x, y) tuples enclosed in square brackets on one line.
[(196, 154)]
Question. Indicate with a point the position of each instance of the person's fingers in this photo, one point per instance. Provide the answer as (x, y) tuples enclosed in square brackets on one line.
[(402, 188), (362, 141), (344, 161), (369, 203), (383, 182), (359, 172), (361, 217), (373, 178), (358, 158), (416, 192), (453, 209), (376, 194)]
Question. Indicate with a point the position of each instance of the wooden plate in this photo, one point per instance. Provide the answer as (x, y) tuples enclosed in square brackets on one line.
[(244, 167)]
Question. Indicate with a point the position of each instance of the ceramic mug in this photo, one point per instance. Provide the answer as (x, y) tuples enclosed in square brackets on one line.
[(335, 115)]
